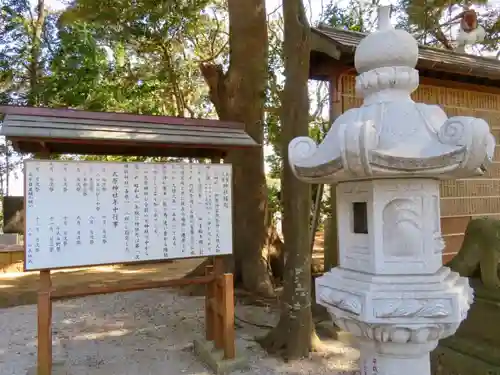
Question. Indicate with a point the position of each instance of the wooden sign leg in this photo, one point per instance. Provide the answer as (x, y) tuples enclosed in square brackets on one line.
[(209, 311), (217, 293), (45, 325), (228, 316)]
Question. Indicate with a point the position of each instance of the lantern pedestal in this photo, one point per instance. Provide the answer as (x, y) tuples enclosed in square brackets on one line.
[(396, 359)]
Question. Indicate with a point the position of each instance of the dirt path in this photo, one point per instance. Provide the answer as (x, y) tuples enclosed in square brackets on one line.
[(148, 332), (19, 288)]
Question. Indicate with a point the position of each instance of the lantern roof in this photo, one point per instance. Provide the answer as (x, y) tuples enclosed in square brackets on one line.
[(390, 135)]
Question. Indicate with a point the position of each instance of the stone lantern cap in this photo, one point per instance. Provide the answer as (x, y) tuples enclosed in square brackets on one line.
[(391, 136)]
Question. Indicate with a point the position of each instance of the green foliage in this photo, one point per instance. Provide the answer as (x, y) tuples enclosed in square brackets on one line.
[(156, 49), (354, 16), (143, 57), (111, 57), (79, 71), (19, 43)]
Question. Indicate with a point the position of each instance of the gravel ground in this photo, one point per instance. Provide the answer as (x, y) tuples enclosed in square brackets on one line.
[(145, 333)]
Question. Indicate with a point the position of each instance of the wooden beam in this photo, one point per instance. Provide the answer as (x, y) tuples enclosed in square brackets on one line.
[(227, 306), (138, 285), (209, 312), (114, 116), (44, 325)]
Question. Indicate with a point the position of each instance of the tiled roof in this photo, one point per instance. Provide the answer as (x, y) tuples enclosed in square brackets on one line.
[(429, 57), (81, 132)]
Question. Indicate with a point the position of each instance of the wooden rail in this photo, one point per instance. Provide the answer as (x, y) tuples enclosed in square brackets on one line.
[(219, 307)]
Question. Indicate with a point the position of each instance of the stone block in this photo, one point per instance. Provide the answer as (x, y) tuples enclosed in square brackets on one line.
[(9, 239), (473, 350), (214, 358), (448, 361), (13, 214)]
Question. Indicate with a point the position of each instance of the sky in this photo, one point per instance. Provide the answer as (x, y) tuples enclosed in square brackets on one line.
[(313, 8)]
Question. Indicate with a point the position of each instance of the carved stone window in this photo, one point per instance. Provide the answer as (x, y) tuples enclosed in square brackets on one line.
[(360, 217)]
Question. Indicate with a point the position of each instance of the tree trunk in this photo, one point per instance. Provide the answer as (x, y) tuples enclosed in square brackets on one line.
[(239, 95), (331, 250), (294, 336), (36, 52)]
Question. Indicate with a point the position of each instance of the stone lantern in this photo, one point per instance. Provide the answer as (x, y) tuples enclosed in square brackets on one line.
[(386, 158)]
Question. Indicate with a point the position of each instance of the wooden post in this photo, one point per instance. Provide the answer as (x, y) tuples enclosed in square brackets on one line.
[(228, 315), (209, 311), (217, 301), (45, 324)]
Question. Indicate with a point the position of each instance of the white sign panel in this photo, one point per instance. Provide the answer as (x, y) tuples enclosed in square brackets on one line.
[(90, 213)]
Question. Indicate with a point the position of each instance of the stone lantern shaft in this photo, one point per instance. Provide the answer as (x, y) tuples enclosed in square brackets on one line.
[(386, 158)]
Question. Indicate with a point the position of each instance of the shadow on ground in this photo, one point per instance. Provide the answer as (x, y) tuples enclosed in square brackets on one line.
[(20, 288)]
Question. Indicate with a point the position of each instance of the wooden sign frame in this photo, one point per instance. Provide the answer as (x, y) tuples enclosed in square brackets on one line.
[(219, 304), (219, 308), (212, 139)]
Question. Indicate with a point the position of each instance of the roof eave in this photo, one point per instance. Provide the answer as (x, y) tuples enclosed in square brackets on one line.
[(345, 52)]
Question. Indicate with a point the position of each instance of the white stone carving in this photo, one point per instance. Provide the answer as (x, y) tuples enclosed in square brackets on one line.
[(403, 236), (404, 308), (386, 158)]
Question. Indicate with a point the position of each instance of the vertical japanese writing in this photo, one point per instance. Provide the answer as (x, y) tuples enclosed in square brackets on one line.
[(85, 184), (374, 366), (201, 234), (126, 197), (29, 247), (173, 200), (37, 231), (225, 189), (58, 238), (65, 178), (91, 230), (51, 233), (126, 222), (51, 177), (137, 224), (114, 195), (145, 189), (126, 183), (191, 211), (104, 233), (31, 188), (182, 182), (97, 191), (78, 230), (91, 180), (31, 197), (155, 199), (104, 181), (209, 206), (165, 210), (65, 231), (217, 208), (78, 182), (37, 179)]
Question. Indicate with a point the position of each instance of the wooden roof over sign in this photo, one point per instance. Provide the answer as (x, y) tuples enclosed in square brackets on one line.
[(341, 44), (66, 131)]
